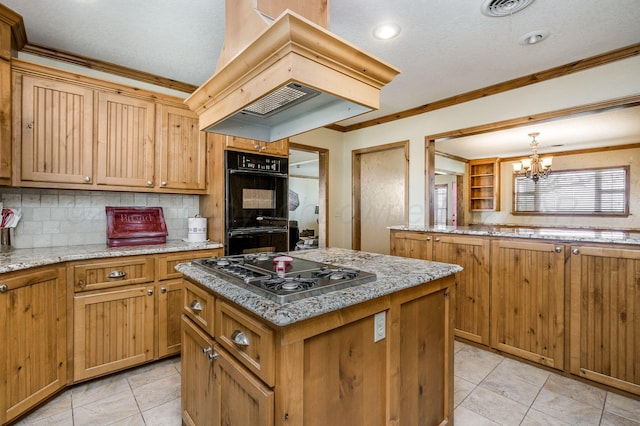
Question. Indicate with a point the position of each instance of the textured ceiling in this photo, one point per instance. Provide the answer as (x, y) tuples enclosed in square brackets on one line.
[(445, 47)]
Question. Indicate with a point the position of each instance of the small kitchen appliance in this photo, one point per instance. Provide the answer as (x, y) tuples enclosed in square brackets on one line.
[(263, 273)]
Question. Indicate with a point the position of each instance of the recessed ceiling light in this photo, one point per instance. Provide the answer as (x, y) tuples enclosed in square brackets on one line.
[(533, 37), (386, 31)]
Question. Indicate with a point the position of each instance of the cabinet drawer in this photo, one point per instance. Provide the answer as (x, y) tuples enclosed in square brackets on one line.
[(199, 306), (104, 274), (168, 262), (248, 340)]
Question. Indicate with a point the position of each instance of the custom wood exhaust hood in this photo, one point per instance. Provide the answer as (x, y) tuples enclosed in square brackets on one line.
[(293, 77)]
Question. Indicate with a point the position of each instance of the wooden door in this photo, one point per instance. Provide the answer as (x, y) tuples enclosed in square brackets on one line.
[(198, 389), (33, 332), (181, 149), (170, 298), (605, 316), (416, 245), (527, 300), (472, 284), (240, 398), (112, 330), (57, 131), (125, 141), (380, 194)]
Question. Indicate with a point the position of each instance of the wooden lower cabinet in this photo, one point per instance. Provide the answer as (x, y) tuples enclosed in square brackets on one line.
[(411, 244), (605, 316), (329, 370), (169, 296), (527, 300), (472, 284), (113, 330), (33, 332), (216, 390)]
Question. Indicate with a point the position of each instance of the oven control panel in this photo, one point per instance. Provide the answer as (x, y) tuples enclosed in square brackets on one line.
[(263, 163)]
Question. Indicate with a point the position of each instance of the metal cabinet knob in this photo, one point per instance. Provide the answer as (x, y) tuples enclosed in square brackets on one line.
[(117, 274), (87, 179), (428, 239), (207, 350), (150, 292), (163, 290), (575, 251), (196, 306), (558, 249), (437, 239), (240, 339), (149, 183), (3, 288), (163, 183)]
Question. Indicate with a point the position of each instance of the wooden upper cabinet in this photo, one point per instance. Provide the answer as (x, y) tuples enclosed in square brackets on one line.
[(280, 147), (125, 141), (181, 149), (5, 122), (57, 131)]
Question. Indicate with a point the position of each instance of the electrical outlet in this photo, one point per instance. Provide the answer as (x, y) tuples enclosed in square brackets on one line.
[(379, 326)]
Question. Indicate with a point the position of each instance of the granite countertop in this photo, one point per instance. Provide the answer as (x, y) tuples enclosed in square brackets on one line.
[(17, 259), (584, 235), (393, 274)]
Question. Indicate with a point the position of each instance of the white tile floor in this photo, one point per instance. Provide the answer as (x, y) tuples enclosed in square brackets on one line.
[(489, 390)]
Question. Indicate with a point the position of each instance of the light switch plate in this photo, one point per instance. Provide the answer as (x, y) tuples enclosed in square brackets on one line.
[(379, 326)]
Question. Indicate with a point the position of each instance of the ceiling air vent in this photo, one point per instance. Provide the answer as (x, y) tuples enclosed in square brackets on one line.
[(496, 8), (284, 97)]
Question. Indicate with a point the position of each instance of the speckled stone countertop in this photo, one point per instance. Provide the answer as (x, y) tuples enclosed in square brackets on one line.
[(18, 259), (393, 274), (583, 235)]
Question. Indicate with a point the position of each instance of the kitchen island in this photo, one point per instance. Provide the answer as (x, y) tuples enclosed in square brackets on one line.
[(379, 352), (567, 299)]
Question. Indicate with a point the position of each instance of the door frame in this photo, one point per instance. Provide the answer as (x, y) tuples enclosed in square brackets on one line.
[(356, 189), (323, 189)]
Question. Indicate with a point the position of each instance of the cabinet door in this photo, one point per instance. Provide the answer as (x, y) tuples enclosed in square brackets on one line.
[(198, 387), (472, 284), (57, 131), (416, 245), (181, 149), (125, 141), (279, 147), (33, 332), (527, 300), (425, 396), (240, 398), (605, 316), (169, 295), (112, 330), (5, 122)]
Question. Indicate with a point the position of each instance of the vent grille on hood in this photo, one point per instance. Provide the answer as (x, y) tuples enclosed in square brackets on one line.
[(284, 97)]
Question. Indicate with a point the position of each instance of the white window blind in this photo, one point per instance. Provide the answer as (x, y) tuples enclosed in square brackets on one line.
[(574, 192)]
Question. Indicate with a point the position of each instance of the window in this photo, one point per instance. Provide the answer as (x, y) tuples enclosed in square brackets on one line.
[(442, 203), (603, 192)]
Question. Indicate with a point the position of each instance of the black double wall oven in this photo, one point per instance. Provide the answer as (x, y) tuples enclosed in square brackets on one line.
[(256, 203)]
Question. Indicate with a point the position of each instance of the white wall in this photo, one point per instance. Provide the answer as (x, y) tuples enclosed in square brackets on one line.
[(615, 80)]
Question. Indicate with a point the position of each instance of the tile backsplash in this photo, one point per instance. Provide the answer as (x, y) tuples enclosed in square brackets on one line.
[(53, 218)]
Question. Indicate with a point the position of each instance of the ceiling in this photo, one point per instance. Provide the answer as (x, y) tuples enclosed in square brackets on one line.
[(445, 47)]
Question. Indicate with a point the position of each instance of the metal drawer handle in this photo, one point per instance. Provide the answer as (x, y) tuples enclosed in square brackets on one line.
[(117, 274), (3, 288), (240, 339), (196, 306)]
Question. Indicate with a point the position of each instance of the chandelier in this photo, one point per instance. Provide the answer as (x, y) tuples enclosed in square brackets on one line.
[(534, 167)]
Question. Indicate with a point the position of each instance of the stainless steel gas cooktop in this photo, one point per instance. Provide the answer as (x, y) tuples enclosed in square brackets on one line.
[(283, 278)]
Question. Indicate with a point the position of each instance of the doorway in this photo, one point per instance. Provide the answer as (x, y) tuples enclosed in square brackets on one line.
[(309, 196), (380, 194)]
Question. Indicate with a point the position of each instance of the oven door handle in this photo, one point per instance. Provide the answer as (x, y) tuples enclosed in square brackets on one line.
[(261, 218), (263, 231), (257, 173)]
